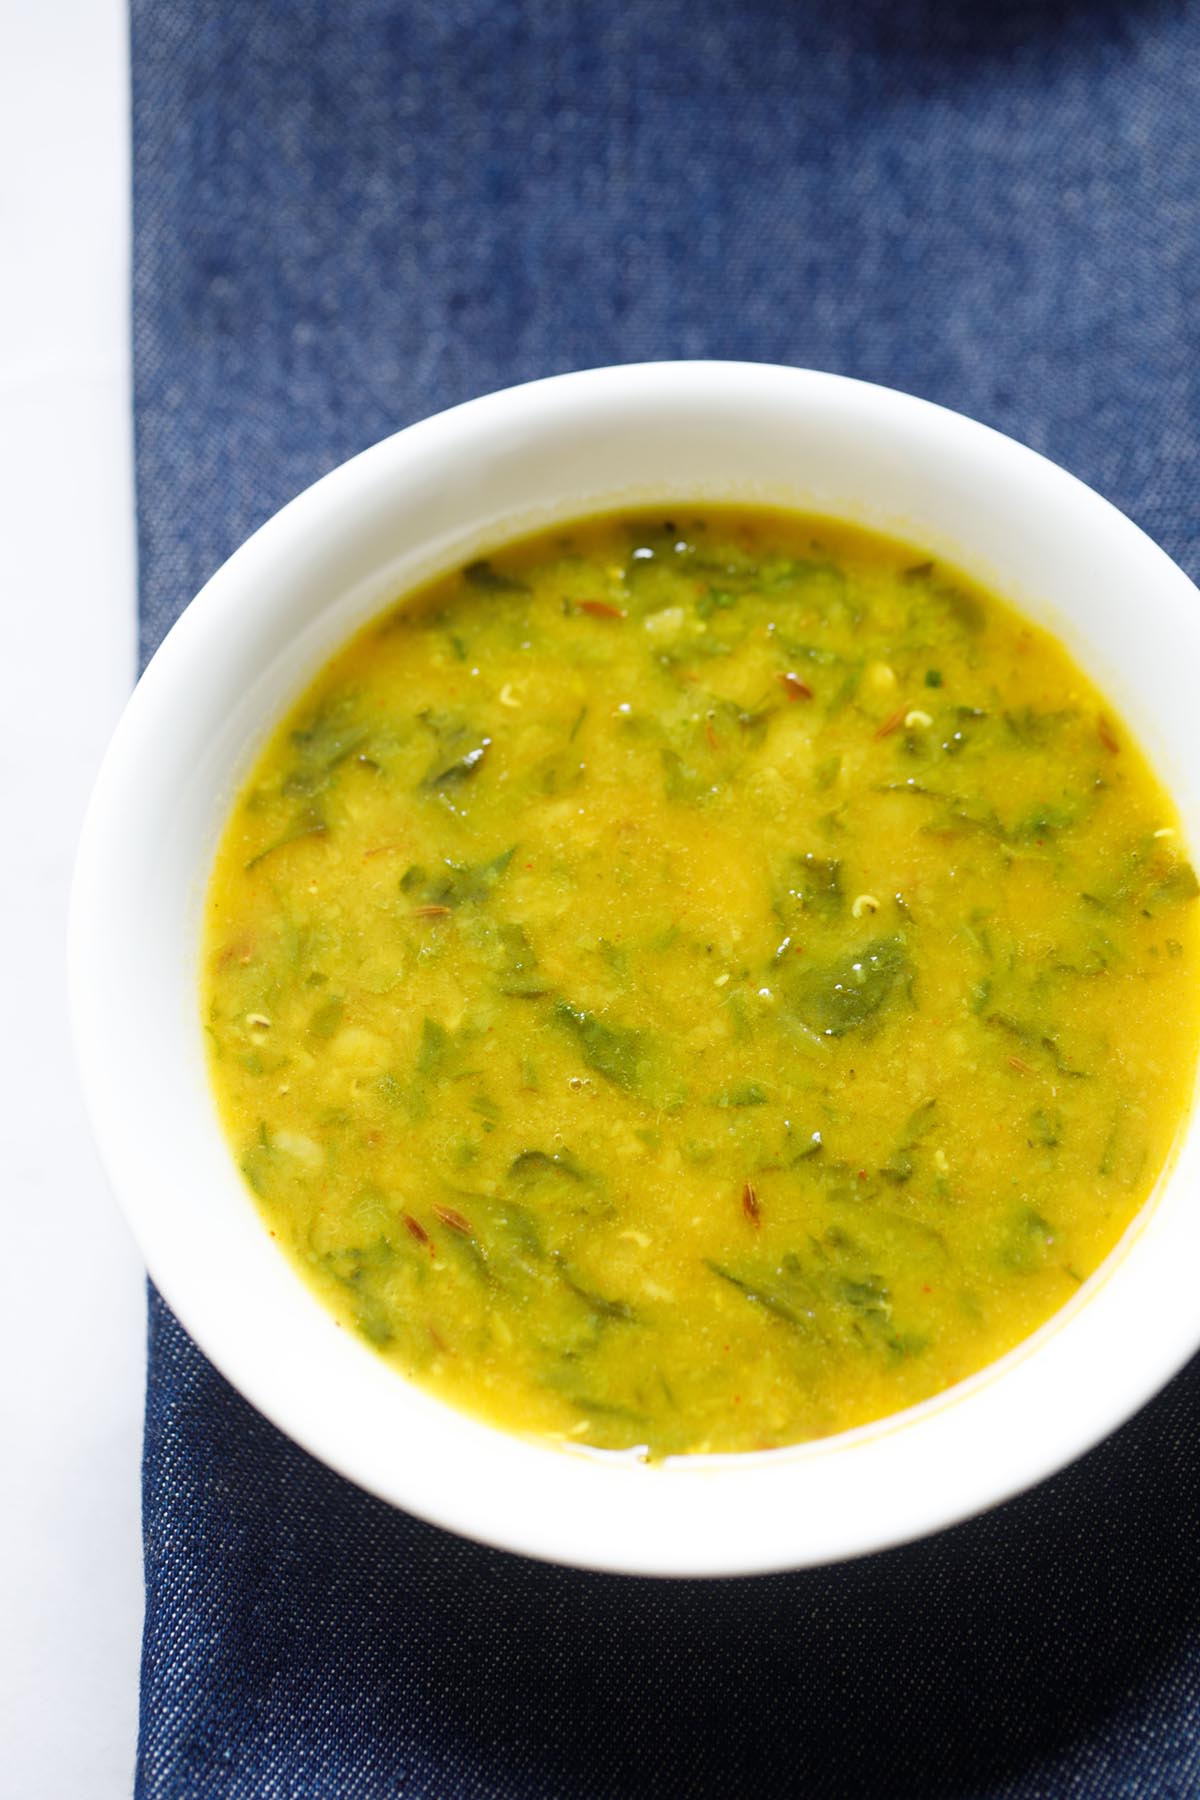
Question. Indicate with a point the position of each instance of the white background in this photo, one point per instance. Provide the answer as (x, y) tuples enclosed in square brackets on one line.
[(71, 1295)]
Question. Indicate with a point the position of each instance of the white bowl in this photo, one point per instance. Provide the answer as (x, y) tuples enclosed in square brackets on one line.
[(429, 499)]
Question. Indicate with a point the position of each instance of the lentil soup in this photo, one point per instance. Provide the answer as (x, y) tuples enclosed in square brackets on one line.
[(700, 983)]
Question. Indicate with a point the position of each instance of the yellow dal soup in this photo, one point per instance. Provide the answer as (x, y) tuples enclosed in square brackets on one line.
[(700, 983)]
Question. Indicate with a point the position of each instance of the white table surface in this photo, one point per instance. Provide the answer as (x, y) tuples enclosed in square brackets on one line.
[(72, 1306)]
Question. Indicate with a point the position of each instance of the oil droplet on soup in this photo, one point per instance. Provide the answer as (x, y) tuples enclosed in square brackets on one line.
[(700, 983)]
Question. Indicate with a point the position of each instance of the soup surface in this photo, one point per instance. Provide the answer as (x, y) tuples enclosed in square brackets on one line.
[(700, 983)]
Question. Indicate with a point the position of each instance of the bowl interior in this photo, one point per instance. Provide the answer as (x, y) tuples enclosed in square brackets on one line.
[(428, 500)]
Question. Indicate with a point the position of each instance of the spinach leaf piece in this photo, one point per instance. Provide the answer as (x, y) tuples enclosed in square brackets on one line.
[(840, 996), (529, 1165), (456, 884), (617, 1052), (433, 1049), (309, 824), (330, 735), (461, 769), (965, 610), (519, 977), (868, 1297), (1027, 1242), (815, 885), (327, 1018), (766, 1291), (481, 574), (602, 1308), (749, 1093), (1149, 874), (1179, 883)]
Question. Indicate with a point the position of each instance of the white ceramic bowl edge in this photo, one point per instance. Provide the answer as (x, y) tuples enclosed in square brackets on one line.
[(427, 499)]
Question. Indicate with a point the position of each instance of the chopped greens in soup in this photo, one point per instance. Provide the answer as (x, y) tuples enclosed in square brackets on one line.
[(700, 982)]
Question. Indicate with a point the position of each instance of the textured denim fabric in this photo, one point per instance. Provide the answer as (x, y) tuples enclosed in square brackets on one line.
[(349, 214)]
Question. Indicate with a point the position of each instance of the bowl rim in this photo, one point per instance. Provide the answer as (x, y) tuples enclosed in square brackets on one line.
[(973, 1477)]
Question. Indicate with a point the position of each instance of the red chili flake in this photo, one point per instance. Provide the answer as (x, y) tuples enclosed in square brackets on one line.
[(1107, 735), (453, 1221), (415, 1229), (430, 912), (1022, 1068), (750, 1204), (601, 609), (925, 1288), (714, 742), (439, 1342), (892, 722), (862, 1174), (794, 687)]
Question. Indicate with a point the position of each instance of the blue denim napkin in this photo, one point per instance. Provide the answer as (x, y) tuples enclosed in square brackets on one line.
[(350, 213)]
